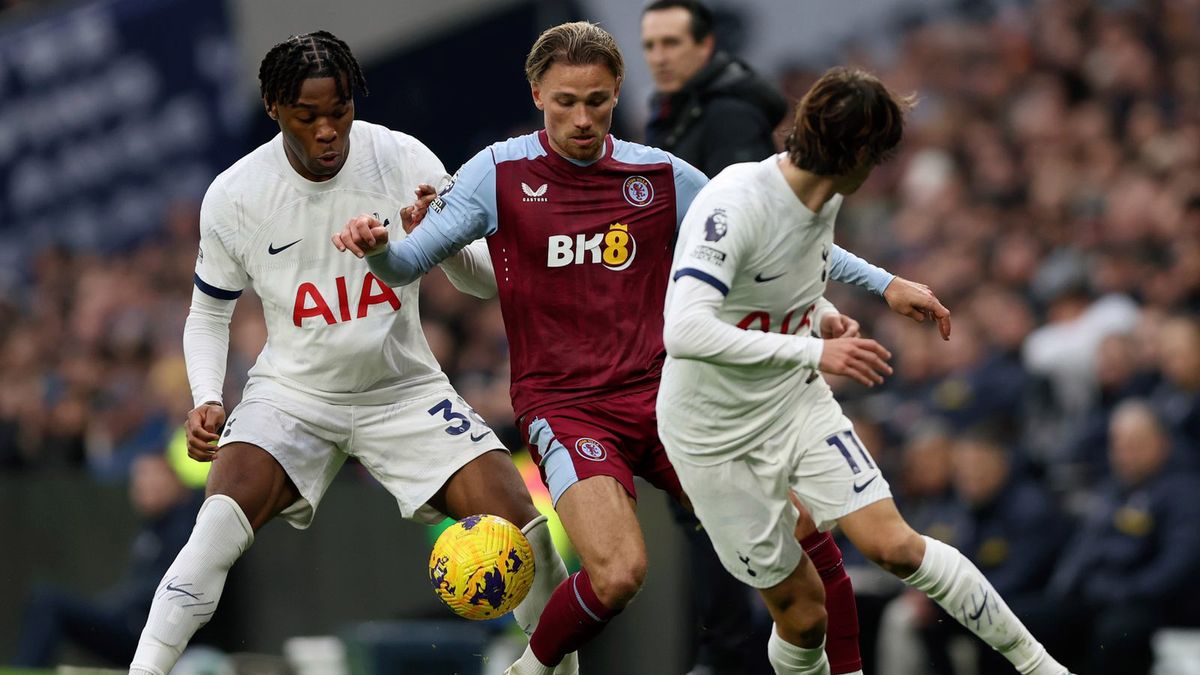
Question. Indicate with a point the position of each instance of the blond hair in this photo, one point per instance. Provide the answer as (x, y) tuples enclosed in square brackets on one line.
[(578, 43)]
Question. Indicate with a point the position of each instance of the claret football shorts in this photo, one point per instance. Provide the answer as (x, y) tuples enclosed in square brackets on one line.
[(615, 436)]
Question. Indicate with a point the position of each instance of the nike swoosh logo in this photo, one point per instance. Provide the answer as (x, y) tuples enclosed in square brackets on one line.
[(476, 439), (272, 250), (860, 488), (176, 589), (983, 606), (761, 279)]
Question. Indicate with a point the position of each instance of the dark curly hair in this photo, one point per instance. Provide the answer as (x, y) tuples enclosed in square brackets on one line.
[(319, 54)]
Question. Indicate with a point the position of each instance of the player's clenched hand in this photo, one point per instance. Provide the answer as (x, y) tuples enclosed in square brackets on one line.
[(203, 428), (411, 216), (837, 326), (861, 359), (362, 236), (917, 301)]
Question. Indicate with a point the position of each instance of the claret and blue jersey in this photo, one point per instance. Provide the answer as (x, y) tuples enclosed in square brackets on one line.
[(582, 255)]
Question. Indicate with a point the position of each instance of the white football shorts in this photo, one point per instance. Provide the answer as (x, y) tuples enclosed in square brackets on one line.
[(412, 446), (743, 501)]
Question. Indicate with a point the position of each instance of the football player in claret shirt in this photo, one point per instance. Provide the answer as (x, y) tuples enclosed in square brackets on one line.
[(580, 229), (323, 388), (747, 421)]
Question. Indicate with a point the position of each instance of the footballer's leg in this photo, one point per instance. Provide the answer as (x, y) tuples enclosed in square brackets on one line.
[(797, 605), (952, 581), (246, 488), (599, 516), (491, 484), (841, 634)]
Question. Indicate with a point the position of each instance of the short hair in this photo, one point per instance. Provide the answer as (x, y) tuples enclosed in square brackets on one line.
[(300, 57), (702, 21), (848, 116), (579, 43)]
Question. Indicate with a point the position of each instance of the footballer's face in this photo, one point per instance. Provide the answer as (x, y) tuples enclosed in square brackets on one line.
[(316, 129), (578, 103), (673, 55)]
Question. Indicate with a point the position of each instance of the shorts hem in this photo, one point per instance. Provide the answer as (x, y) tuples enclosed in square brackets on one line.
[(762, 580)]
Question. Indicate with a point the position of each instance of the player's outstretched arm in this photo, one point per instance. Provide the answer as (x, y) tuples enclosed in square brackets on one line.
[(848, 268), (917, 302), (914, 300), (470, 270)]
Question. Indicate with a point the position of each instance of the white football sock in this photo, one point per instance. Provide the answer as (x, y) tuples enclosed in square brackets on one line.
[(788, 659), (528, 664), (955, 584), (548, 572), (188, 594)]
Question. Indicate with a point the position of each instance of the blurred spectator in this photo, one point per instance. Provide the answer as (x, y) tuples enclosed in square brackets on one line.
[(1177, 398), (1132, 566), (108, 626), (1119, 376)]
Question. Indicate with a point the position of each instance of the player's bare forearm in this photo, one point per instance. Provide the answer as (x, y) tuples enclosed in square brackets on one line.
[(918, 302)]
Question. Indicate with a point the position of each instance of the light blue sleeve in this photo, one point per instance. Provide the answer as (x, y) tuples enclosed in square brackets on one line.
[(688, 181), (848, 268), (463, 211)]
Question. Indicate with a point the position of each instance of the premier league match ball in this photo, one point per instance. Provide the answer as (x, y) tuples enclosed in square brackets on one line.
[(481, 567)]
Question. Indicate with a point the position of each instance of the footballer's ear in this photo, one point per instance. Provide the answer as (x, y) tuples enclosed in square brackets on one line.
[(271, 111), (537, 96)]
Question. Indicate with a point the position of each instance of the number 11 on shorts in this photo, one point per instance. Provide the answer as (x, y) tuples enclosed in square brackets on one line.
[(837, 441)]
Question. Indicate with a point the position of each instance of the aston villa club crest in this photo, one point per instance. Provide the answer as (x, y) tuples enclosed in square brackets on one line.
[(638, 191), (590, 448)]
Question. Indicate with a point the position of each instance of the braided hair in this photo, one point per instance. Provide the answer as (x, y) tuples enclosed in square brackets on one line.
[(319, 54)]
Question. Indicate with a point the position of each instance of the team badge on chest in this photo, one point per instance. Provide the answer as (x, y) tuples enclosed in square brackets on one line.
[(638, 191)]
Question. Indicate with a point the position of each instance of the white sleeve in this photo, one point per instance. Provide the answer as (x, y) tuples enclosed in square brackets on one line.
[(821, 309), (206, 345), (470, 270), (693, 331)]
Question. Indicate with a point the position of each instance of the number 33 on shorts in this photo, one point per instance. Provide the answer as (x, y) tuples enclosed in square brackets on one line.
[(461, 422)]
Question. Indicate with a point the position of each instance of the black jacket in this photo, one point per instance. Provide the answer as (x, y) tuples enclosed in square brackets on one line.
[(722, 116)]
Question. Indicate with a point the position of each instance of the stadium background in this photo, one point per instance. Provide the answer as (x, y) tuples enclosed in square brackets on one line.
[(1048, 189)]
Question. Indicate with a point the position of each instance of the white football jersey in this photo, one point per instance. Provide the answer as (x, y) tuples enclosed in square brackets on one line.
[(750, 237), (334, 330)]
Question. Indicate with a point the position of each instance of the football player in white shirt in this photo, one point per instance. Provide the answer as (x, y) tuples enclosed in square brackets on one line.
[(346, 370), (743, 414)]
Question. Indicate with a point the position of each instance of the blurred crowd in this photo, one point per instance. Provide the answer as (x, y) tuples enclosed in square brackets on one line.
[(1048, 190)]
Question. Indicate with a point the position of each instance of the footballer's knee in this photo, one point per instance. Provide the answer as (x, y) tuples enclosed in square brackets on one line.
[(804, 626), (899, 551), (617, 580), (800, 615)]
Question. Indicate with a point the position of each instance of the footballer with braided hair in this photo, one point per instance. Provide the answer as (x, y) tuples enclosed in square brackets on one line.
[(322, 389)]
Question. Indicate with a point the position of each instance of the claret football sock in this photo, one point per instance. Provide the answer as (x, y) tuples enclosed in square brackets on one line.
[(788, 659), (573, 616), (954, 583), (188, 594), (841, 636)]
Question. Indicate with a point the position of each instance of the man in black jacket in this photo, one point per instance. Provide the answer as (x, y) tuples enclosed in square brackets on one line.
[(709, 108)]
